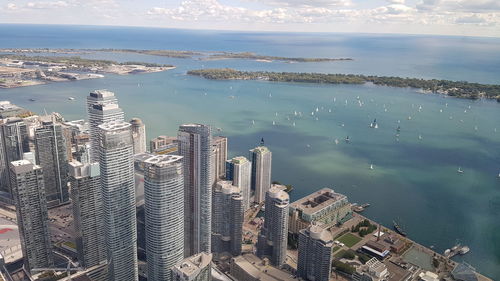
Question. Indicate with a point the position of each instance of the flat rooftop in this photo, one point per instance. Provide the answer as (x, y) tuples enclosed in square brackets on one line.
[(193, 264), (254, 266), (317, 201)]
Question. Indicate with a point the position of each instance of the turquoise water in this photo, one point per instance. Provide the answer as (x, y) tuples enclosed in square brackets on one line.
[(414, 180)]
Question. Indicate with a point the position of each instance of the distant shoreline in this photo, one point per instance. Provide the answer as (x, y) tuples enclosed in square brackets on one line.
[(215, 55), (457, 89)]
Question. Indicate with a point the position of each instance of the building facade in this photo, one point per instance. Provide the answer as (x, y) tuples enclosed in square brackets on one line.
[(195, 143), (32, 216), (13, 143), (273, 236), (261, 158), (164, 214), (325, 207), (227, 218), (239, 171), (220, 146), (194, 268), (164, 145), (102, 106), (118, 192), (138, 135), (51, 155), (85, 182), (315, 254)]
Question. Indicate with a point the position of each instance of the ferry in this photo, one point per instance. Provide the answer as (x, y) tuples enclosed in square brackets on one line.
[(398, 228)]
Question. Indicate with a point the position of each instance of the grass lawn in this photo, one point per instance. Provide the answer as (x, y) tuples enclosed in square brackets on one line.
[(349, 239), (336, 248), (339, 254)]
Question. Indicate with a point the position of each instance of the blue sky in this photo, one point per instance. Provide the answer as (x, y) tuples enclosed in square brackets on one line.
[(450, 17)]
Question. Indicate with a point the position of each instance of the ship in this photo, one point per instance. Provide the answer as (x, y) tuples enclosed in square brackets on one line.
[(398, 228)]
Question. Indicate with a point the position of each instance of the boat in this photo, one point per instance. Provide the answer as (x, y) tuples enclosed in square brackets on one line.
[(460, 171), (337, 142), (420, 137), (253, 122), (371, 166), (409, 117), (274, 123), (498, 175), (464, 250), (347, 140), (293, 124), (398, 228), (32, 99), (71, 98), (374, 125), (219, 129), (398, 129), (317, 109)]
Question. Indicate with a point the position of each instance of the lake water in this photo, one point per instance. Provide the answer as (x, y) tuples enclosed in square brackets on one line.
[(415, 175)]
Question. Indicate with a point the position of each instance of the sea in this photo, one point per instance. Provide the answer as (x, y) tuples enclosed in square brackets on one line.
[(414, 179)]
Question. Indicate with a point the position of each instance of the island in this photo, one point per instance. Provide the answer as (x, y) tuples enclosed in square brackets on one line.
[(459, 89), (180, 54), (22, 70)]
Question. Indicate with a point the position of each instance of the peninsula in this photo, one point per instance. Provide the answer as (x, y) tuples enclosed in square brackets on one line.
[(459, 89), (21, 70)]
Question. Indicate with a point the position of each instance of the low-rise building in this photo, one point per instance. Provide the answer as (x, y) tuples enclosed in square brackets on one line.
[(376, 249), (249, 267), (324, 207)]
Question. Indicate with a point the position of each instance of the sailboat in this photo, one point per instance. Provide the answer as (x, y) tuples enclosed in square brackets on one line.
[(460, 171), (293, 124), (398, 129), (274, 123), (347, 140), (371, 166), (420, 137), (374, 124), (337, 142)]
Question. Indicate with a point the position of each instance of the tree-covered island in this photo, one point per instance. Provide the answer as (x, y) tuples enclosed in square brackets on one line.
[(460, 89)]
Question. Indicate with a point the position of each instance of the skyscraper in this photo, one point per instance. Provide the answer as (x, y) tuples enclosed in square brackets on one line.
[(13, 143), (261, 159), (50, 147), (273, 236), (315, 254), (87, 204), (164, 213), (195, 144), (220, 145), (227, 218), (118, 192), (138, 135), (239, 170), (194, 268), (102, 106), (32, 218)]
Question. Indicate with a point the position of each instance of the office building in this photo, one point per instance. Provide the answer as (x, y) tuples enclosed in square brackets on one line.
[(138, 135), (324, 207), (195, 268), (13, 143), (273, 236), (51, 155), (87, 203), (164, 214), (28, 192), (220, 158), (227, 219), (117, 189), (315, 254), (261, 159), (195, 143), (102, 107), (239, 171)]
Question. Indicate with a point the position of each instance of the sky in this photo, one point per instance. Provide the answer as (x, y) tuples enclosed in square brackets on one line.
[(445, 17)]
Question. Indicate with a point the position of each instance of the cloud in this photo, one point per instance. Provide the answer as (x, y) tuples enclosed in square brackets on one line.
[(396, 1), (11, 6), (46, 5), (308, 3), (470, 20)]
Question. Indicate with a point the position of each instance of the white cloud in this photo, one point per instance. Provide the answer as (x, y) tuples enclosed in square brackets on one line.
[(46, 5), (396, 1), (11, 6)]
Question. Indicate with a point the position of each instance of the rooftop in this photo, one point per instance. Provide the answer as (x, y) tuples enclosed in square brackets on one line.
[(317, 201), (102, 94), (260, 149), (259, 270), (161, 160), (114, 125), (193, 264), (239, 160)]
